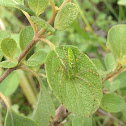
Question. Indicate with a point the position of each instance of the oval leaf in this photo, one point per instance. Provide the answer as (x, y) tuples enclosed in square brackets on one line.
[(66, 16), (38, 5), (1, 55), (26, 36), (43, 24), (15, 119), (37, 58), (122, 2), (117, 42), (44, 109), (9, 47), (112, 103), (79, 88), (11, 3), (10, 84), (9, 64), (28, 10)]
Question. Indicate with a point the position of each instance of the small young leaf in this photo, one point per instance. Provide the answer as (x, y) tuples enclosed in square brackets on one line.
[(15, 119), (38, 5), (112, 103), (4, 34), (10, 84), (9, 47), (79, 88), (43, 24), (44, 109), (37, 58), (26, 36), (11, 3), (110, 62), (117, 42), (66, 16), (28, 10), (9, 64)]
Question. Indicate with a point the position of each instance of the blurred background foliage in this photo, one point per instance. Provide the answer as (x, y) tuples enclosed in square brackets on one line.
[(88, 33)]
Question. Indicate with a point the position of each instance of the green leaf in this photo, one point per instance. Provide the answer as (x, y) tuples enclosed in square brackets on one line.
[(112, 103), (28, 10), (9, 64), (4, 34), (44, 109), (26, 36), (9, 47), (117, 42), (122, 2), (122, 78), (15, 119), (81, 121), (110, 62), (79, 88), (37, 58), (11, 3), (38, 5), (43, 24), (66, 16), (10, 84), (112, 86)]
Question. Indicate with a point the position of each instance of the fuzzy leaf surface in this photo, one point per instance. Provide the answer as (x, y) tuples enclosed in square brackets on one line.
[(80, 91), (10, 84), (43, 24), (44, 109), (26, 36), (9, 47), (112, 103), (37, 58), (38, 5), (66, 16), (15, 119)]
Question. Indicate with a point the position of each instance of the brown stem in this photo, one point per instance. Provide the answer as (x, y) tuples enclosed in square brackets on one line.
[(111, 117), (115, 72), (22, 55)]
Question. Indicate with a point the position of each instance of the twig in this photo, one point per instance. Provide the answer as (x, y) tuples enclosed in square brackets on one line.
[(60, 113), (115, 72), (111, 117)]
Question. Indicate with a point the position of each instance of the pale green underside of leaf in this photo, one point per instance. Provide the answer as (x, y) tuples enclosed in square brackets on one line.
[(122, 2), (80, 95), (1, 54), (26, 36), (44, 109), (37, 58), (43, 24), (112, 103), (23, 8), (15, 119), (10, 84), (38, 5), (9, 46), (11, 3), (66, 16), (117, 42), (9, 64)]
